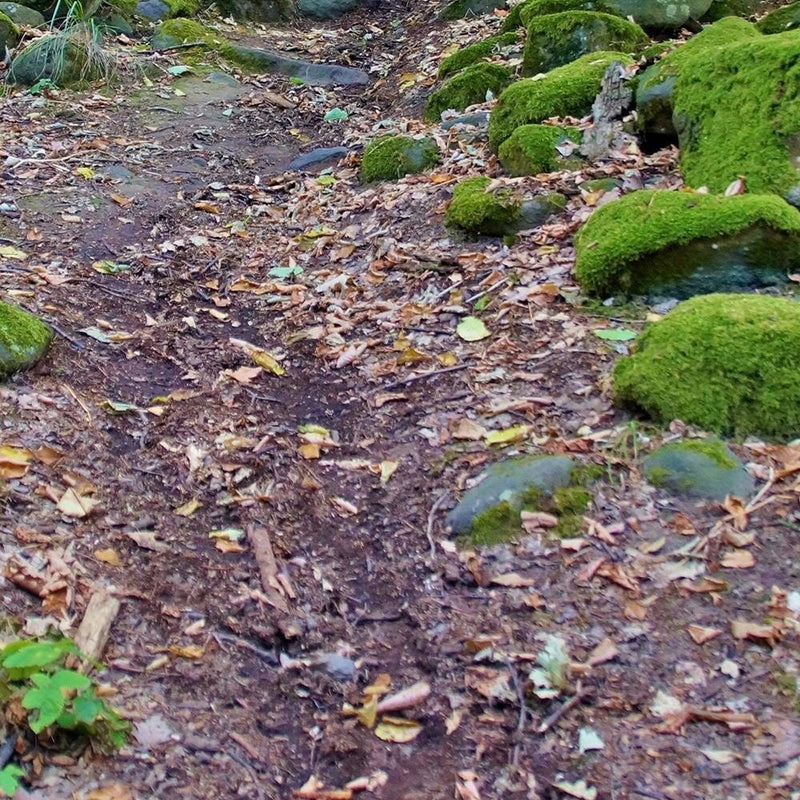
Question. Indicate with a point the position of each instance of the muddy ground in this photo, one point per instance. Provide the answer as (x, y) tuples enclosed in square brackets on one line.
[(156, 413)]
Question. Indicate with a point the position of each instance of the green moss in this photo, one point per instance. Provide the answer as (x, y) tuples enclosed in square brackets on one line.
[(615, 247), (475, 210), (569, 505), (498, 524), (780, 20), (531, 149), (182, 8), (659, 477), (726, 363), (557, 39), (523, 13), (476, 52), (731, 8), (460, 9), (601, 185), (567, 91), (713, 449), (388, 158), (466, 89), (172, 32), (9, 32), (737, 113), (23, 339)]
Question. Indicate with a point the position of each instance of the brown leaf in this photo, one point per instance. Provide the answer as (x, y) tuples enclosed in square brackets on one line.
[(533, 521), (605, 651), (512, 580), (407, 698), (769, 634), (701, 635), (738, 559)]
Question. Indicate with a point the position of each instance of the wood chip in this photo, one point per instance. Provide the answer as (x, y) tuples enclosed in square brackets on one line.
[(96, 624)]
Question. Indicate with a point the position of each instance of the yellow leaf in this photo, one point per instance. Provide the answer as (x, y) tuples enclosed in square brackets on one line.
[(268, 362), (187, 509), (72, 504), (397, 729), (193, 651), (85, 172), (14, 461), (108, 556), (368, 713), (224, 546), (447, 359), (516, 433), (309, 450), (388, 469), (6, 251), (472, 329)]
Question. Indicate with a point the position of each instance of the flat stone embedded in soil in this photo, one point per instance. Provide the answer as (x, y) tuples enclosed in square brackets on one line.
[(702, 468), (508, 480), (317, 158), (23, 339)]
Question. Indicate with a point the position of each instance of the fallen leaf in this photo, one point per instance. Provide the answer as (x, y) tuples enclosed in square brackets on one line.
[(472, 329), (147, 540), (72, 504), (516, 433), (407, 698), (579, 789), (467, 430), (108, 556), (741, 629), (701, 635), (738, 559), (188, 508), (190, 651), (397, 729)]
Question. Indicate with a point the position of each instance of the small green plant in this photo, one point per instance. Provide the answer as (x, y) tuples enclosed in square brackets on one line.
[(9, 779), (551, 677), (59, 700), (42, 85)]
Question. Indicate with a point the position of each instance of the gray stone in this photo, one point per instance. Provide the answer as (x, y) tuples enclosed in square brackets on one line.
[(706, 469), (222, 78), (313, 74), (317, 158), (509, 480), (50, 58), (325, 9), (478, 119), (259, 10), (9, 34), (153, 9), (661, 13), (339, 667), (116, 23), (537, 211), (116, 172), (458, 9), (23, 15)]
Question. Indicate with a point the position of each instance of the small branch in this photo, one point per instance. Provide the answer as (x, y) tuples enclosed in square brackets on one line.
[(523, 712), (431, 517), (578, 697), (422, 376)]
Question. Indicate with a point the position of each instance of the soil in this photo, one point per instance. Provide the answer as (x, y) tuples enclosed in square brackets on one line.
[(363, 566)]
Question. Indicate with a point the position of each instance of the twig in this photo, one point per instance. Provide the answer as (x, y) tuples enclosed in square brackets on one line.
[(579, 695), (64, 335), (431, 516), (264, 655), (422, 376), (523, 712)]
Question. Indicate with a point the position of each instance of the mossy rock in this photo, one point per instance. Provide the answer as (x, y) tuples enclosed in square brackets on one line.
[(732, 8), (523, 13), (9, 33), (477, 211), (703, 468), (389, 158), (167, 9), (21, 15), (23, 339), (557, 39), (601, 185), (257, 10), (567, 91), (727, 363), (466, 89), (679, 244), (68, 60), (459, 9), (780, 20), (656, 85), (533, 149), (473, 53), (178, 31), (508, 481)]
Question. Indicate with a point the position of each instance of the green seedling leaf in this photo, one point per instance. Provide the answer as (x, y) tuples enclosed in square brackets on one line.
[(326, 180), (118, 407), (231, 534), (87, 708), (32, 654), (9, 779), (105, 267), (472, 329), (482, 302), (179, 69), (284, 273), (297, 81), (69, 679), (615, 334), (46, 701), (335, 114)]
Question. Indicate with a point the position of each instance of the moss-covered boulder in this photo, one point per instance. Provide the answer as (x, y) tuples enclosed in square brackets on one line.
[(567, 91), (167, 9), (780, 20), (473, 53), (650, 14), (533, 149), (70, 60), (656, 85), (23, 339), (732, 8), (557, 39), (388, 158), (727, 363), (257, 10), (178, 31), (679, 244), (459, 9), (325, 9), (9, 33), (477, 211), (703, 468), (508, 481), (22, 15), (467, 88)]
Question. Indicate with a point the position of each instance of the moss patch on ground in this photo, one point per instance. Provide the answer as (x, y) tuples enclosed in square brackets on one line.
[(173, 32), (389, 158), (557, 39), (473, 53), (615, 246), (567, 91), (23, 339), (466, 89), (477, 211), (726, 363), (531, 149)]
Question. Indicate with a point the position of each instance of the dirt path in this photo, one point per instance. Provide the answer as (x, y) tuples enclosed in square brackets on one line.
[(228, 678)]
